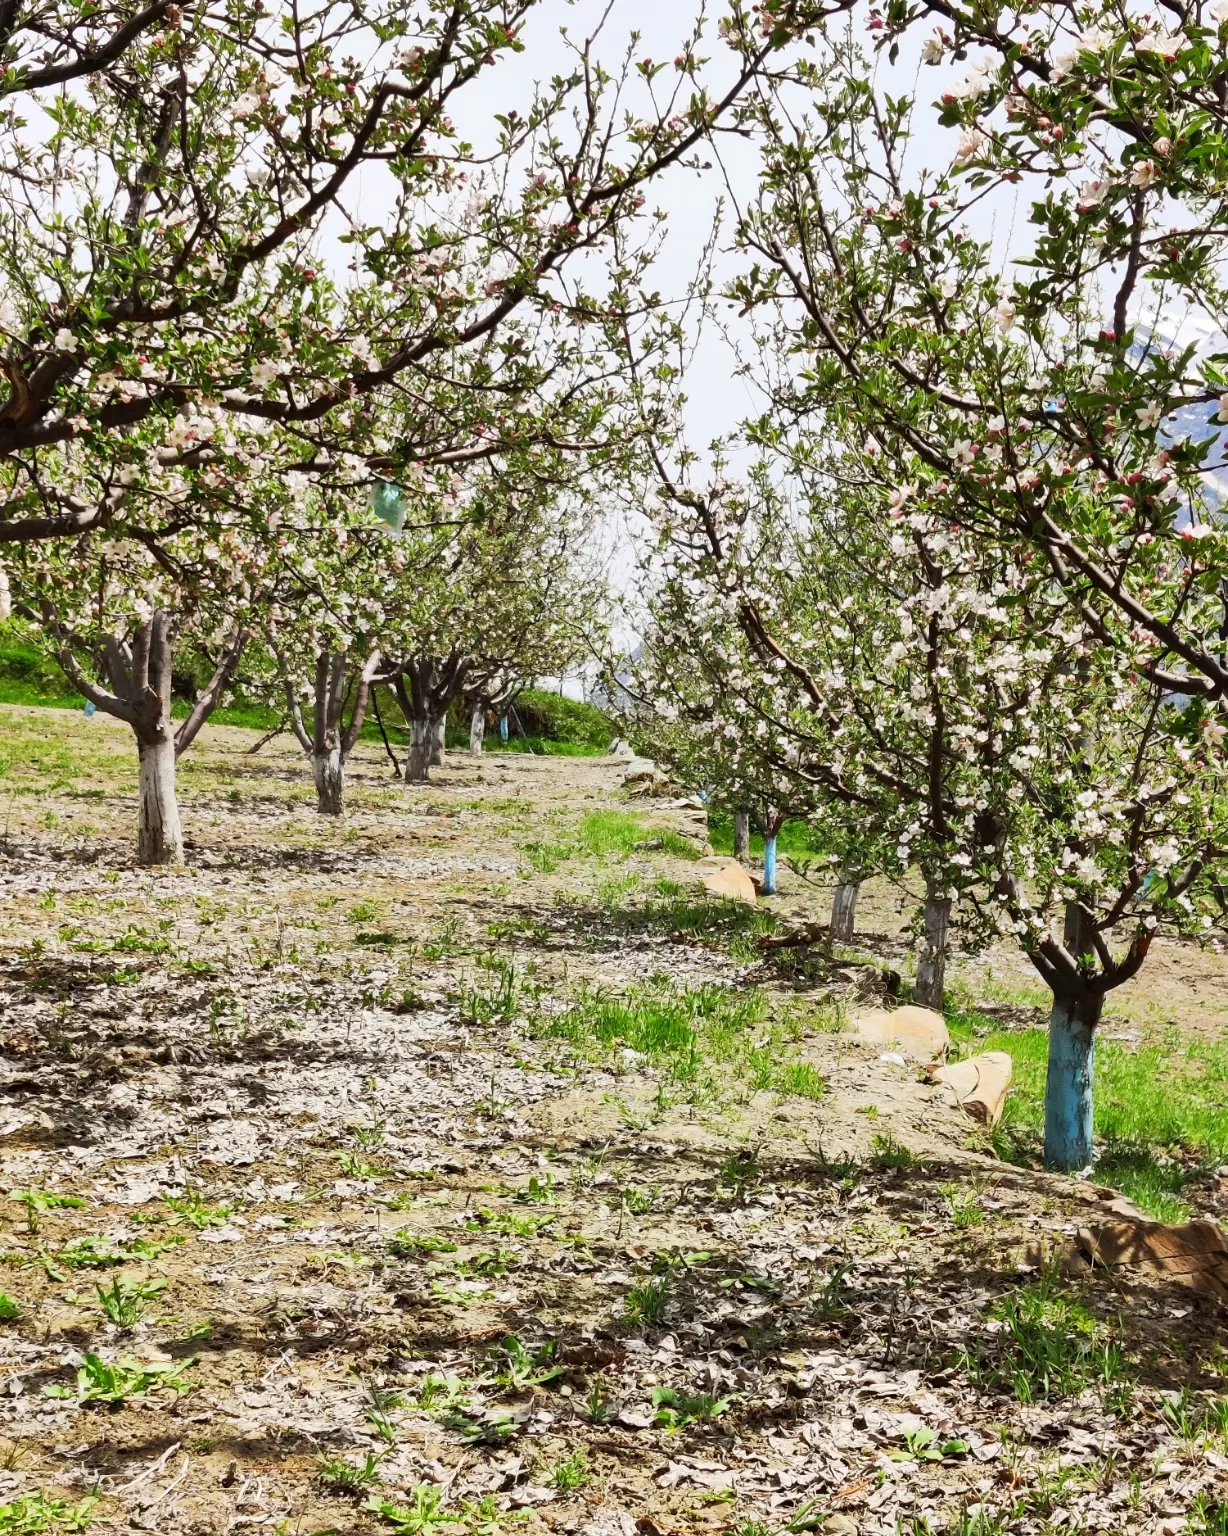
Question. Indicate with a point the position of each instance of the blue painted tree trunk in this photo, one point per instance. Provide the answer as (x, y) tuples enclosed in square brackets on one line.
[(769, 866), (1069, 1135), (502, 727)]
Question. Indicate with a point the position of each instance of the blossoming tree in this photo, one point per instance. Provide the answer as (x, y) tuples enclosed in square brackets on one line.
[(161, 228), (1035, 332), (945, 704), (110, 606)]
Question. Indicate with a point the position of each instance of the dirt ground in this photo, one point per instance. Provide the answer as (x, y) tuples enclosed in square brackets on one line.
[(366, 1219)]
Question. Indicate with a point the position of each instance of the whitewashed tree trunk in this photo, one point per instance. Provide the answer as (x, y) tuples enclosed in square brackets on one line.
[(159, 831), (418, 758), (931, 968), (741, 835), (438, 728), (477, 728), (328, 771), (844, 911)]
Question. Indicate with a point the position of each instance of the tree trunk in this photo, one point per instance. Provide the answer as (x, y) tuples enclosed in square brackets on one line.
[(329, 772), (844, 910), (418, 758), (769, 865), (477, 728), (932, 966), (159, 832), (1069, 1133), (438, 729), (741, 835)]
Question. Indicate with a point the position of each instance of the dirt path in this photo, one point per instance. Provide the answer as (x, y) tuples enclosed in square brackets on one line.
[(385, 1190)]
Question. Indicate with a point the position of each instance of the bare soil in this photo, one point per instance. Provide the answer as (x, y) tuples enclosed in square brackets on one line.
[(255, 1072)]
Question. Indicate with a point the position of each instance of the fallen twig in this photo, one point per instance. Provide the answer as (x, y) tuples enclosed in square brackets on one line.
[(812, 933)]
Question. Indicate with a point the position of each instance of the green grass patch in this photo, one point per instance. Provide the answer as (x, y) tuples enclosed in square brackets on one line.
[(674, 909), (796, 839), (1155, 1144), (1048, 1345), (542, 746), (606, 835), (538, 715), (696, 1035)]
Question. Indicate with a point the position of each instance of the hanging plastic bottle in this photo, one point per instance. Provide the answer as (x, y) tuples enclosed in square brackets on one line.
[(388, 504)]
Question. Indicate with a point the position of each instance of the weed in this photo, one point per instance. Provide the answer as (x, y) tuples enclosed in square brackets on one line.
[(1215, 1421), (9, 1310), (496, 1000), (739, 1175), (466, 1293), (888, 1153), (647, 1302), (597, 1405), (344, 1476), (364, 912), (123, 1302), (356, 1167), (38, 1201), (378, 1409), (675, 1410), (446, 943), (424, 1516), (833, 1300), (100, 1382), (571, 1473), (192, 1209), (495, 1426), (102, 1253), (378, 938), (924, 1445), (1208, 1517), (519, 928), (812, 1516), (639, 1201), (798, 1079), (540, 1190), (484, 1517), (495, 1264), (963, 1206), (33, 1513), (1049, 1346), (439, 1393), (410, 1245), (604, 835), (1154, 1181), (513, 1366), (136, 942), (1197, 1423)]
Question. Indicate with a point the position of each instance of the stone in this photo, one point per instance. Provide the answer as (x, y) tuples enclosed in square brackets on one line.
[(919, 1033), (979, 1084), (730, 882), (1194, 1254)]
